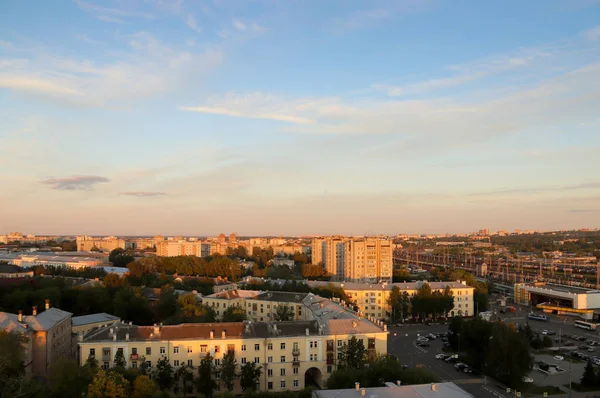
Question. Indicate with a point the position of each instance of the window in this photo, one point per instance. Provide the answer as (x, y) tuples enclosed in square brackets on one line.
[(243, 347), (134, 365), (217, 362), (329, 368), (217, 375), (203, 348), (190, 362), (282, 346), (256, 347), (163, 350), (340, 343), (105, 365), (270, 385), (149, 364), (270, 372), (92, 352), (295, 371), (466, 305), (134, 351), (283, 371), (175, 362), (217, 349), (175, 350), (282, 384), (148, 350), (270, 359), (283, 358), (270, 346), (189, 349), (295, 382), (295, 345), (243, 360), (106, 352), (256, 360)]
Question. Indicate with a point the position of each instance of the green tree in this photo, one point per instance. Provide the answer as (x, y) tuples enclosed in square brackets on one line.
[(143, 387), (250, 375), (205, 383), (353, 354), (589, 376), (163, 374), (507, 355), (395, 302), (228, 369), (283, 313), (145, 368), (120, 258), (234, 314), (167, 303), (108, 385), (68, 379), (12, 363), (185, 375), (119, 361)]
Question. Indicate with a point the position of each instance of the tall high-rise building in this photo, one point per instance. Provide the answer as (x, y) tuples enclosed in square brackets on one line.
[(354, 259)]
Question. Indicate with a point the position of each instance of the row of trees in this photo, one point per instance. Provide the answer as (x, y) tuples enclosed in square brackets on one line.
[(425, 303), (493, 347), (480, 296)]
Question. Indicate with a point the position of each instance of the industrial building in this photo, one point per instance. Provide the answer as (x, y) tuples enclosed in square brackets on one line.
[(559, 299)]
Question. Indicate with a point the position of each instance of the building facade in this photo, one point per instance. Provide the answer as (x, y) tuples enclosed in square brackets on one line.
[(109, 243), (289, 353)]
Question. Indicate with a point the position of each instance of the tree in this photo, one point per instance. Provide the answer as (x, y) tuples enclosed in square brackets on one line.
[(185, 374), (163, 374), (228, 369), (353, 354), (283, 313), (12, 363), (120, 258), (395, 303), (108, 385), (119, 361), (167, 303), (250, 375), (507, 355), (145, 368), (143, 387), (68, 379), (589, 377), (205, 383), (234, 314)]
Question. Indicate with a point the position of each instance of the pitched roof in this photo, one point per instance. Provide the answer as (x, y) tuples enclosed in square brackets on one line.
[(43, 321), (185, 331), (93, 318)]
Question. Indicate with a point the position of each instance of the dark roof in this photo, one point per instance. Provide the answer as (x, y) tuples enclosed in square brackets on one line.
[(93, 318), (289, 297), (170, 332), (11, 269), (280, 329)]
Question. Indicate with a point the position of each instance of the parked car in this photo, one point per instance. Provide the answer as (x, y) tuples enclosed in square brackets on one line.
[(422, 339), (581, 338), (447, 345), (551, 332), (591, 349), (451, 360), (582, 347), (527, 379), (422, 344), (569, 343), (596, 361), (468, 370), (559, 357), (544, 332), (460, 366), (440, 356)]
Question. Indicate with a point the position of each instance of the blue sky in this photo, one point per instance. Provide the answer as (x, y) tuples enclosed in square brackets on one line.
[(298, 117)]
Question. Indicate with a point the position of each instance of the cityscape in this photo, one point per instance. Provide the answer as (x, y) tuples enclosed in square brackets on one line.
[(299, 199)]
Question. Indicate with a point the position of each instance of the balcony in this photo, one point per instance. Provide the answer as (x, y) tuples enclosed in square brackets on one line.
[(329, 346), (330, 361), (134, 357), (295, 362), (106, 358), (296, 352)]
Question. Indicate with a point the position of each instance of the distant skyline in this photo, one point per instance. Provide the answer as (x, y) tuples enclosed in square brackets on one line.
[(177, 117)]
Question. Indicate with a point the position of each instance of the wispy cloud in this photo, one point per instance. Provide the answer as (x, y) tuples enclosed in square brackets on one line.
[(541, 189), (87, 39), (236, 113), (358, 20), (143, 194), (593, 33), (33, 85), (74, 183), (106, 18), (192, 23), (239, 25), (115, 13)]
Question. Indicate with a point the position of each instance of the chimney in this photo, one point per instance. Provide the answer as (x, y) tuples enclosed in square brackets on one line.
[(34, 312), (384, 327), (307, 332), (47, 304), (354, 324), (398, 383), (111, 330), (432, 386), (127, 336), (156, 329), (363, 392), (223, 334), (115, 337), (20, 316), (80, 336), (357, 386), (212, 334)]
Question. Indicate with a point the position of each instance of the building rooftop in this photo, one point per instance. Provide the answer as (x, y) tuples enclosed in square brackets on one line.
[(11, 269), (565, 289), (187, 331), (438, 390), (94, 318), (289, 297), (387, 286), (280, 329), (43, 321), (234, 294)]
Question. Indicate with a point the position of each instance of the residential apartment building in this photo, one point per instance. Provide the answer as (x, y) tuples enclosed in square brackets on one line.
[(109, 243), (48, 337), (354, 259), (289, 353), (372, 298)]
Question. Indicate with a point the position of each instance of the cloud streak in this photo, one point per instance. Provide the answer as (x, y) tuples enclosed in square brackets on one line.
[(252, 115), (75, 183), (143, 194)]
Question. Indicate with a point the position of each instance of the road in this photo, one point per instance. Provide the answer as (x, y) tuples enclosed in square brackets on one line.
[(401, 343)]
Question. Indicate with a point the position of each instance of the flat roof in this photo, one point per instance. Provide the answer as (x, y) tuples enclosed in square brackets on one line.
[(565, 289), (436, 390), (388, 286)]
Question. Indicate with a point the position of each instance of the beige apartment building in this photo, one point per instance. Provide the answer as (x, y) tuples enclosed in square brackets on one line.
[(287, 352), (371, 298), (109, 243), (48, 337), (259, 306), (355, 259)]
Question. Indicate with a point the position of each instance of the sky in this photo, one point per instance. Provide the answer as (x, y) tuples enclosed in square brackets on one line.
[(297, 117)]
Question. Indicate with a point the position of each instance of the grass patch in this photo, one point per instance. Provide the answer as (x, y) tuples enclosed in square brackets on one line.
[(551, 390)]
